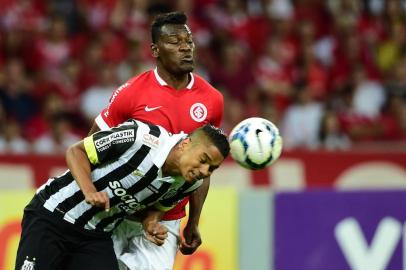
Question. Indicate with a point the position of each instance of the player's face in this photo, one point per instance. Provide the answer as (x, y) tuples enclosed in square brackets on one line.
[(175, 48), (199, 160)]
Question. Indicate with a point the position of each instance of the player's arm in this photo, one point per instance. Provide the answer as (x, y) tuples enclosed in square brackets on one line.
[(191, 234), (79, 165), (96, 149), (149, 218), (154, 231)]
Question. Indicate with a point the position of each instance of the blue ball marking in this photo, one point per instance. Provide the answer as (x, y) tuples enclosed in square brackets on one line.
[(240, 135), (241, 138)]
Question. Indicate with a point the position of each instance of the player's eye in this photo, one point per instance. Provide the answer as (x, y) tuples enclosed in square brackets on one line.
[(173, 41)]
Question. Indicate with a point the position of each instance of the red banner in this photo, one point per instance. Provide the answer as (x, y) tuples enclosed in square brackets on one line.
[(294, 170)]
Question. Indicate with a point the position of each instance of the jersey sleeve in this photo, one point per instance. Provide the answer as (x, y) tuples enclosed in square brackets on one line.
[(118, 110), (108, 145)]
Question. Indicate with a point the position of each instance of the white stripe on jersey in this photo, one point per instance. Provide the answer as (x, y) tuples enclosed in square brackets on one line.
[(61, 195), (77, 211)]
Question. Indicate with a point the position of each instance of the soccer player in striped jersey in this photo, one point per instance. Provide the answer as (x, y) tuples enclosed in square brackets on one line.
[(112, 174)]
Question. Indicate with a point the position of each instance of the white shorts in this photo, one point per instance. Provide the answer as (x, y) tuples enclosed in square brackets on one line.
[(135, 252)]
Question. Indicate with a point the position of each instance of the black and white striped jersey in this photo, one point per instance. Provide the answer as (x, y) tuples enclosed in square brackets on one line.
[(126, 163)]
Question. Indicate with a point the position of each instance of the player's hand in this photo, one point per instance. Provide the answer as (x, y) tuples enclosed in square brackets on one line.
[(98, 199), (191, 240), (155, 232)]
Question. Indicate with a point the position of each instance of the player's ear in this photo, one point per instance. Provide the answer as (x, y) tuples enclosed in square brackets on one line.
[(185, 142), (154, 50)]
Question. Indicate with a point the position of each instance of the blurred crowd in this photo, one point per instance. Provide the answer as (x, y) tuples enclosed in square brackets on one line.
[(330, 74)]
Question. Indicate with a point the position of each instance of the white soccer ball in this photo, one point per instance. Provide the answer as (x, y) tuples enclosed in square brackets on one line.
[(255, 143)]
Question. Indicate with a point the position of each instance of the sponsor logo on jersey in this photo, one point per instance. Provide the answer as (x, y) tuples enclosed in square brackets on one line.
[(113, 97), (198, 112), (150, 109), (129, 203), (116, 137), (28, 264), (150, 140)]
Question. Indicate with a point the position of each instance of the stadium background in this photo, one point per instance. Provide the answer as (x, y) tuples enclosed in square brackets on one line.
[(330, 74)]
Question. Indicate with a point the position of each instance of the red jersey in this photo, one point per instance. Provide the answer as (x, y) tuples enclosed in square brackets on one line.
[(147, 97)]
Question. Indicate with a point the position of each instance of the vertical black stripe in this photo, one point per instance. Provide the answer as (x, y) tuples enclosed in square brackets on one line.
[(154, 130), (57, 184), (145, 181), (109, 220)]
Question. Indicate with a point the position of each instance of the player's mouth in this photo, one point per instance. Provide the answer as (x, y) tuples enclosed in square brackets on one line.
[(188, 59), (193, 176)]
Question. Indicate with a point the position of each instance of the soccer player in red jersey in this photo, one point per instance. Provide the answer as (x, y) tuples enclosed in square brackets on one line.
[(178, 100)]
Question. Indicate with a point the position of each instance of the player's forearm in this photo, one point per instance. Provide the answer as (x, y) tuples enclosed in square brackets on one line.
[(79, 165), (196, 201), (153, 215)]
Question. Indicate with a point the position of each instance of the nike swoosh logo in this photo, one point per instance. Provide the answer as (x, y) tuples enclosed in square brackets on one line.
[(147, 109)]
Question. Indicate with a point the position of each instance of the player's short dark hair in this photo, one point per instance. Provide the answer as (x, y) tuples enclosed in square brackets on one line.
[(217, 137), (176, 17)]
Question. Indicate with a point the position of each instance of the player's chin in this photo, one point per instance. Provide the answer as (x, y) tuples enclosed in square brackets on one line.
[(186, 66), (190, 177)]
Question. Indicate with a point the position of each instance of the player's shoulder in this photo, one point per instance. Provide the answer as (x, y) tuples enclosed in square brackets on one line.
[(203, 85), (147, 127), (142, 78), (132, 85)]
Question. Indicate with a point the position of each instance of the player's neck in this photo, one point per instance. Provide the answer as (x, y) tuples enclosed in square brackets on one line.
[(174, 80)]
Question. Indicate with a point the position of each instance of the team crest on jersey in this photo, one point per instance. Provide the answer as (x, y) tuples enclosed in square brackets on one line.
[(28, 264), (198, 112)]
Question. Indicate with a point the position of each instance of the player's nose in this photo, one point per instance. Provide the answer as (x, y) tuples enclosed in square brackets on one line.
[(185, 46)]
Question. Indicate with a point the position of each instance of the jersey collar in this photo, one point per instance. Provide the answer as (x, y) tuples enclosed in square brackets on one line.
[(163, 83)]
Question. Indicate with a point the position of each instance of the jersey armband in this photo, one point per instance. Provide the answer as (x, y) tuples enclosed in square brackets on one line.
[(91, 150)]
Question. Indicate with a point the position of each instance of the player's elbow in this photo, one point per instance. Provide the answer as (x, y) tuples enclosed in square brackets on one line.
[(73, 151)]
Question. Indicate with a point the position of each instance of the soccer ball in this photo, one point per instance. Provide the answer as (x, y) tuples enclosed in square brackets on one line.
[(255, 143)]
